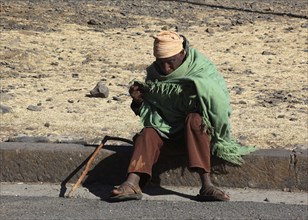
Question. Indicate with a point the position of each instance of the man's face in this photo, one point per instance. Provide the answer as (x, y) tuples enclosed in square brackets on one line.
[(169, 64)]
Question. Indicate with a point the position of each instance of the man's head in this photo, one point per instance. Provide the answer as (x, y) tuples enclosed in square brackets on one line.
[(169, 51)]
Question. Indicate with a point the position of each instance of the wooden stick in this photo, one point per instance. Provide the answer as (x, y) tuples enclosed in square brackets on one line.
[(84, 173)]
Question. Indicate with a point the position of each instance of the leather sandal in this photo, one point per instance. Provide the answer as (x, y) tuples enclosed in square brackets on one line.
[(212, 193), (125, 196)]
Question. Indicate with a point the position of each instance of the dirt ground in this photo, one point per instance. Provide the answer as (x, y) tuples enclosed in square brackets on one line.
[(54, 52)]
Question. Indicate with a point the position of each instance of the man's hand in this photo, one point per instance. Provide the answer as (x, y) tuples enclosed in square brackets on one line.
[(136, 94)]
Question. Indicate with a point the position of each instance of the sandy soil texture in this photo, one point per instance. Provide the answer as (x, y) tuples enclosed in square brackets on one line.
[(54, 52)]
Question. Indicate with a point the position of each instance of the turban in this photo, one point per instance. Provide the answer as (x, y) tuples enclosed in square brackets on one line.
[(167, 44)]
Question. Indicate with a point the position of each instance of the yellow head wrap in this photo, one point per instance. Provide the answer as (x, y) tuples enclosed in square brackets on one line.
[(167, 44)]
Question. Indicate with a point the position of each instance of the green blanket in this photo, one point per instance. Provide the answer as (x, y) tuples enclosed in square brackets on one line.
[(196, 86)]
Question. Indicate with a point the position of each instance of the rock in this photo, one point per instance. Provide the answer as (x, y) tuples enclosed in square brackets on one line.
[(242, 102), (72, 111), (6, 64), (209, 30), (286, 190), (242, 138), (100, 90), (93, 22), (268, 53), (28, 139), (5, 109), (34, 108), (75, 75), (5, 97), (248, 72), (70, 140), (116, 98), (87, 60), (238, 90)]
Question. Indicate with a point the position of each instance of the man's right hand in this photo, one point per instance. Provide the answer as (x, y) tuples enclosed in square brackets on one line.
[(136, 94)]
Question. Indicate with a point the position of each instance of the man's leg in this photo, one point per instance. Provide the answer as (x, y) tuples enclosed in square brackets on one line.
[(147, 145), (199, 155)]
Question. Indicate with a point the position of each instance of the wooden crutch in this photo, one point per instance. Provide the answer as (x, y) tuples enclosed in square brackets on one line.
[(85, 171)]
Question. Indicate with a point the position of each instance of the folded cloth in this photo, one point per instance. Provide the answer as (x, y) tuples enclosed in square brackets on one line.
[(195, 86)]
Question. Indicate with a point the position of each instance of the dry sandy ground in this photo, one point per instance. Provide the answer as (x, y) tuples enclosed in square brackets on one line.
[(54, 52)]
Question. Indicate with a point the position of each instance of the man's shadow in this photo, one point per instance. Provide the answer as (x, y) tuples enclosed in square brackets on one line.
[(112, 170)]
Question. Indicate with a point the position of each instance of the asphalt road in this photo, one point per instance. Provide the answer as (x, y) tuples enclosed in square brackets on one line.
[(81, 208), (42, 201)]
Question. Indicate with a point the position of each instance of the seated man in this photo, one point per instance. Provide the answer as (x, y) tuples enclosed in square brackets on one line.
[(184, 96)]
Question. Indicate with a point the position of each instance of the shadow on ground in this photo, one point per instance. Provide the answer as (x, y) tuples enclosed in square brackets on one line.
[(112, 170)]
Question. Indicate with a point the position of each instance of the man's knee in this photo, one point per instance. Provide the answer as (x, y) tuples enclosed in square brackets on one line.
[(146, 133), (194, 121)]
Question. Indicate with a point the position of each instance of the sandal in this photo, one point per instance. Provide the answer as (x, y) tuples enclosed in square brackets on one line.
[(212, 193), (125, 196)]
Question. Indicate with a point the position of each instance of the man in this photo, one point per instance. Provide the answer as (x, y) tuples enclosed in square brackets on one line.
[(183, 96)]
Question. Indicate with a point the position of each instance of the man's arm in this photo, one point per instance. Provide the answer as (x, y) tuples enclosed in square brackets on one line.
[(136, 95), (135, 107)]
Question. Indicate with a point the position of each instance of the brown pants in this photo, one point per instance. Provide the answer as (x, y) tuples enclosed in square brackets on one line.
[(148, 144)]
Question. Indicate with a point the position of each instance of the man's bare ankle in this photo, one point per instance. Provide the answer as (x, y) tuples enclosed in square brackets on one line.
[(133, 179)]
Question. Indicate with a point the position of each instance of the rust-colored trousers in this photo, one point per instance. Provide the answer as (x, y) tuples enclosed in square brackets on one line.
[(148, 144)]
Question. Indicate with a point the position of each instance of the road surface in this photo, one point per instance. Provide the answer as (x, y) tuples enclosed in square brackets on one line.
[(42, 201)]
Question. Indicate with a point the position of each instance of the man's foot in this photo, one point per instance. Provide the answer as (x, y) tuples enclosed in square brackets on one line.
[(212, 193), (126, 191)]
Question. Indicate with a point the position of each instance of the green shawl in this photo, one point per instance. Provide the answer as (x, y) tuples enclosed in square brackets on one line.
[(195, 86)]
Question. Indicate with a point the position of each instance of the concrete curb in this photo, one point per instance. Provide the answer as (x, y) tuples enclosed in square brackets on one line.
[(63, 163)]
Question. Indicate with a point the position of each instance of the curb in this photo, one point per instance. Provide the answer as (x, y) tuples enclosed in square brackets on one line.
[(63, 163)]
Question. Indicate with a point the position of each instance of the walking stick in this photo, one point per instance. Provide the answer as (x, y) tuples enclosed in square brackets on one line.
[(88, 165), (84, 173)]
